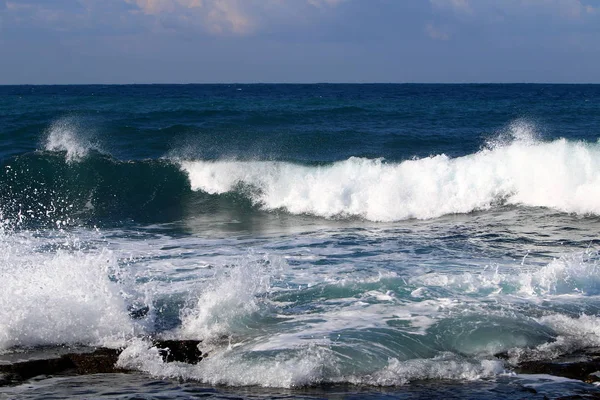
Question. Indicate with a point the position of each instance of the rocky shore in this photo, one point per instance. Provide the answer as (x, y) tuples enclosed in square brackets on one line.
[(583, 366), (84, 361)]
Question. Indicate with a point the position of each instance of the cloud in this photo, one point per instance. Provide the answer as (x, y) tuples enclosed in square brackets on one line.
[(458, 6), (215, 16), (26, 11), (188, 17), (572, 9), (325, 3), (565, 9), (226, 17), (436, 33)]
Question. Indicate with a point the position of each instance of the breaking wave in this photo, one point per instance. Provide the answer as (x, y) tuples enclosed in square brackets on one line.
[(562, 175), (71, 178)]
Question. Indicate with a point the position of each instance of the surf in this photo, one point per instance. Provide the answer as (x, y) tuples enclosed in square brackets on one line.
[(562, 175)]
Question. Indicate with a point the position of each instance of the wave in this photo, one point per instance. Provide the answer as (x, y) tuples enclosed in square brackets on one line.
[(73, 180), (573, 274), (45, 188), (561, 175), (313, 365), (366, 338), (262, 330)]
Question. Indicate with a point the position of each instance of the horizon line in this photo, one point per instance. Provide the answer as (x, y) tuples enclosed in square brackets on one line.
[(297, 83)]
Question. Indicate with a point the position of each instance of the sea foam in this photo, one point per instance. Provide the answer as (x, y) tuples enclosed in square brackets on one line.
[(561, 174), (55, 297), (224, 302), (573, 274), (306, 366)]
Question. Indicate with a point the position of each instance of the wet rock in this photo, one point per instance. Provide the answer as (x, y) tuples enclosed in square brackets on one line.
[(138, 312), (99, 361), (186, 351), (102, 360), (581, 366)]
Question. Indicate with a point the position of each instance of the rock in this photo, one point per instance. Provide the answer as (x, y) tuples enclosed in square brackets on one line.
[(138, 312), (102, 360), (581, 366), (179, 350), (99, 361)]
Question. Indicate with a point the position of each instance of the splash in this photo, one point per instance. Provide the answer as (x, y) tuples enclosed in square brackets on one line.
[(303, 367), (71, 136), (223, 303), (58, 297)]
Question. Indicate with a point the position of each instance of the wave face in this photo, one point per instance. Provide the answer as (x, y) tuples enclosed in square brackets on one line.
[(561, 175), (80, 184), (52, 188)]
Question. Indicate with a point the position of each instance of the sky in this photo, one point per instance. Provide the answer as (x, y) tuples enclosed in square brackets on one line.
[(297, 41)]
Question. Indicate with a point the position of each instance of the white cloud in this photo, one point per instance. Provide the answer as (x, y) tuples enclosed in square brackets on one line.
[(458, 6), (223, 17), (215, 16), (436, 33), (571, 9), (325, 3), (564, 9)]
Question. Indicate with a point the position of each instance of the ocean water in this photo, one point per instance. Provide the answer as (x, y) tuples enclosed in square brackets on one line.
[(359, 241)]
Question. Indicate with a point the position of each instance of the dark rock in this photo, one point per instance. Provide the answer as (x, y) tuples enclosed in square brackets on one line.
[(179, 350), (583, 368), (99, 361), (138, 312), (102, 360)]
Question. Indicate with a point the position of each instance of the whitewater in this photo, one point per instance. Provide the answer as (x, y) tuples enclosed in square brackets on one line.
[(378, 264), (561, 175)]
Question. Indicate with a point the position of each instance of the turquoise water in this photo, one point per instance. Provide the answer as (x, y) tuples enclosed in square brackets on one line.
[(322, 240)]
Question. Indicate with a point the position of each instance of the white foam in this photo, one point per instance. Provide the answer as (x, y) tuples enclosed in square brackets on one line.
[(561, 174), (443, 367), (71, 136), (313, 364), (575, 274), (573, 334), (58, 297), (237, 292), (299, 368)]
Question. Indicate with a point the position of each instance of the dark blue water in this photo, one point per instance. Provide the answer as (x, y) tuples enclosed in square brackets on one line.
[(303, 123), (348, 240)]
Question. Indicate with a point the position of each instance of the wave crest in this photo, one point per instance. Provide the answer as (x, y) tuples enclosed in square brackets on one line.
[(70, 136), (561, 174)]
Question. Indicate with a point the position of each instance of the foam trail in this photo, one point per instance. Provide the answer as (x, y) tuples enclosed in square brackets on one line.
[(572, 274), (562, 175), (68, 135)]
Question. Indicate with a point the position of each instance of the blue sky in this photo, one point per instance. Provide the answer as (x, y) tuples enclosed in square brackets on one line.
[(209, 41)]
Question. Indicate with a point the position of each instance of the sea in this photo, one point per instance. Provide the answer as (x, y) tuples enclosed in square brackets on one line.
[(375, 241)]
